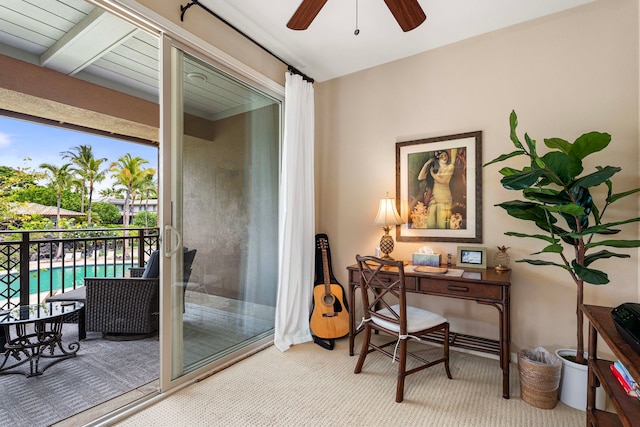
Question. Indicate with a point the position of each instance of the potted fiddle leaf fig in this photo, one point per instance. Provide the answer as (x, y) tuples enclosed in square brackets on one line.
[(558, 199)]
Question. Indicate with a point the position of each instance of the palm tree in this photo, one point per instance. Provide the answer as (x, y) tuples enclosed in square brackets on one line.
[(127, 171), (148, 188), (87, 167), (93, 174), (60, 178), (112, 192)]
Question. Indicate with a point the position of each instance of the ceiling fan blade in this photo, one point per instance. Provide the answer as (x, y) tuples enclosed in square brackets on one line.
[(408, 13), (305, 14)]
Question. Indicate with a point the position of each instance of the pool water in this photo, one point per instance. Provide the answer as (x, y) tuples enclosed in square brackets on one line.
[(51, 279)]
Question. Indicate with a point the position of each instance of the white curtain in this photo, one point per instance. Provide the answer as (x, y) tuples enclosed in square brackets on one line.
[(297, 218)]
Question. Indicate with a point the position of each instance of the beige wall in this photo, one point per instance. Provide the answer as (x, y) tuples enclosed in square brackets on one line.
[(564, 75)]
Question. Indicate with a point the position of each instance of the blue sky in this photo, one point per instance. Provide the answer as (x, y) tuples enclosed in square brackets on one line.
[(43, 144)]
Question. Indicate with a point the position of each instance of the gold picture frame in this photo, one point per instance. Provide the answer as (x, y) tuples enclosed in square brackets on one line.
[(439, 188)]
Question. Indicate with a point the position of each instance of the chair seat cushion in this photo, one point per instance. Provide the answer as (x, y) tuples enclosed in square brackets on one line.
[(418, 319), (78, 294)]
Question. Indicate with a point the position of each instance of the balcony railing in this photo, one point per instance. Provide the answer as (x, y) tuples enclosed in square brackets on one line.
[(35, 264)]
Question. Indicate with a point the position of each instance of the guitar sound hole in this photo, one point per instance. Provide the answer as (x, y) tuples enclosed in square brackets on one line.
[(328, 299)]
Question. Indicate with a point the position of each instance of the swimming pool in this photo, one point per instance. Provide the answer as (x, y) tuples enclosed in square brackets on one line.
[(51, 279)]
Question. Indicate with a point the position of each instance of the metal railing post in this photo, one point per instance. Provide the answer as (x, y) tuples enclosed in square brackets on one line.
[(24, 269), (141, 248)]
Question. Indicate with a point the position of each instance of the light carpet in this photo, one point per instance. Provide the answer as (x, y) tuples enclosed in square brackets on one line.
[(310, 386)]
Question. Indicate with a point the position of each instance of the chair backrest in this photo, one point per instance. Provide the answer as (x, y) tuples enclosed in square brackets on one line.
[(383, 295), (187, 261), (152, 269)]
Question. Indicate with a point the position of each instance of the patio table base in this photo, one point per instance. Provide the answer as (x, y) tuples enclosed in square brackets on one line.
[(41, 347)]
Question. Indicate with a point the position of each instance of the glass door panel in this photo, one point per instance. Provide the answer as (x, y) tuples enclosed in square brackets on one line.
[(223, 234)]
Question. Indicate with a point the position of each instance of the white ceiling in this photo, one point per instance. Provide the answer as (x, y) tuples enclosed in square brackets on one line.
[(72, 37), (329, 48)]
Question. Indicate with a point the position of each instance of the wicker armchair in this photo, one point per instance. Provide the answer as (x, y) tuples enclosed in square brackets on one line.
[(128, 308), (122, 308)]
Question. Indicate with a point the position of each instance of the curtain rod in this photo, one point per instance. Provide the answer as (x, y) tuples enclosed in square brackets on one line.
[(291, 68)]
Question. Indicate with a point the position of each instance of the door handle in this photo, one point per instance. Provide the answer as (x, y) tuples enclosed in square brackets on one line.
[(168, 251)]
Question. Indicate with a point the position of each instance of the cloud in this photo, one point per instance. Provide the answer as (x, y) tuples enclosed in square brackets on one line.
[(5, 140)]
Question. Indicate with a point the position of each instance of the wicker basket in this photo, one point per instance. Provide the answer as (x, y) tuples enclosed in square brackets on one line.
[(539, 377)]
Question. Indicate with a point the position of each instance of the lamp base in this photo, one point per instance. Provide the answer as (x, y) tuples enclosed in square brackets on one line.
[(386, 246)]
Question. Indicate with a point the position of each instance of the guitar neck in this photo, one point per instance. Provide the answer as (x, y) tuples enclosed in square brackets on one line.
[(325, 269)]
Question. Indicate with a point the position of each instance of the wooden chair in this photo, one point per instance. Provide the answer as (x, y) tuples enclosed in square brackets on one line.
[(386, 311)]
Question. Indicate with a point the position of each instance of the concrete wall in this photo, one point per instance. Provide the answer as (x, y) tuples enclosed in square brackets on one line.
[(564, 75)]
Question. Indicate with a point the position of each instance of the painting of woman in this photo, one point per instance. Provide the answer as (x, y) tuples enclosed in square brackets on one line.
[(437, 172)]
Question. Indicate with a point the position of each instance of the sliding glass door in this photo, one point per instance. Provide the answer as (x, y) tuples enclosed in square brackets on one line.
[(221, 224)]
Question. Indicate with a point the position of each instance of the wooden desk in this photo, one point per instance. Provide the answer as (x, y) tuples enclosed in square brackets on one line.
[(482, 286)]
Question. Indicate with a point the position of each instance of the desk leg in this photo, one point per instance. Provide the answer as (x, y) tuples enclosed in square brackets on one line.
[(505, 342), (505, 347)]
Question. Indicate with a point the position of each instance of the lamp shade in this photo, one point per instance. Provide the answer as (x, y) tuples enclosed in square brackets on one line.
[(387, 213)]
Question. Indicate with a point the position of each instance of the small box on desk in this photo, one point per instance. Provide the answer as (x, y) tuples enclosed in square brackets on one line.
[(432, 260)]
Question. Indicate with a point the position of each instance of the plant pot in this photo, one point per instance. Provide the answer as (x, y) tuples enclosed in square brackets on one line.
[(574, 382)]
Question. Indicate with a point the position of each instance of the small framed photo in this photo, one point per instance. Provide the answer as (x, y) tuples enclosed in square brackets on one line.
[(472, 257)]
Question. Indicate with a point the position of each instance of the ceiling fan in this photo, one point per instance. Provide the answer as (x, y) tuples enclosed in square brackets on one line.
[(408, 13)]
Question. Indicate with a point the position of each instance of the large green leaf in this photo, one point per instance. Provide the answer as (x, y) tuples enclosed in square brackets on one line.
[(548, 196), (560, 144), (513, 124), (533, 236), (505, 157), (614, 244), (588, 259), (563, 234), (582, 198), (595, 277), (524, 210), (562, 166), (555, 249), (618, 196), (540, 262), (521, 180), (509, 171), (531, 143), (590, 143), (598, 177), (570, 209), (603, 228), (596, 213)]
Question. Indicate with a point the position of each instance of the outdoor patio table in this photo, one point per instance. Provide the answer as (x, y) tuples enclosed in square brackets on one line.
[(37, 335)]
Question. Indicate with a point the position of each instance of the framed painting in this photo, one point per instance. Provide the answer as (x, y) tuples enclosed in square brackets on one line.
[(439, 188)]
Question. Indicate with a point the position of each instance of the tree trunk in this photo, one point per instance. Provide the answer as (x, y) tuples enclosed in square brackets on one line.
[(579, 323)]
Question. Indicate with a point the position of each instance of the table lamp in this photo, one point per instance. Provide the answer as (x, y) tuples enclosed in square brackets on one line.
[(387, 215)]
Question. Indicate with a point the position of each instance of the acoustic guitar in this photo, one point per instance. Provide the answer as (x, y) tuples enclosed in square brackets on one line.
[(329, 316)]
